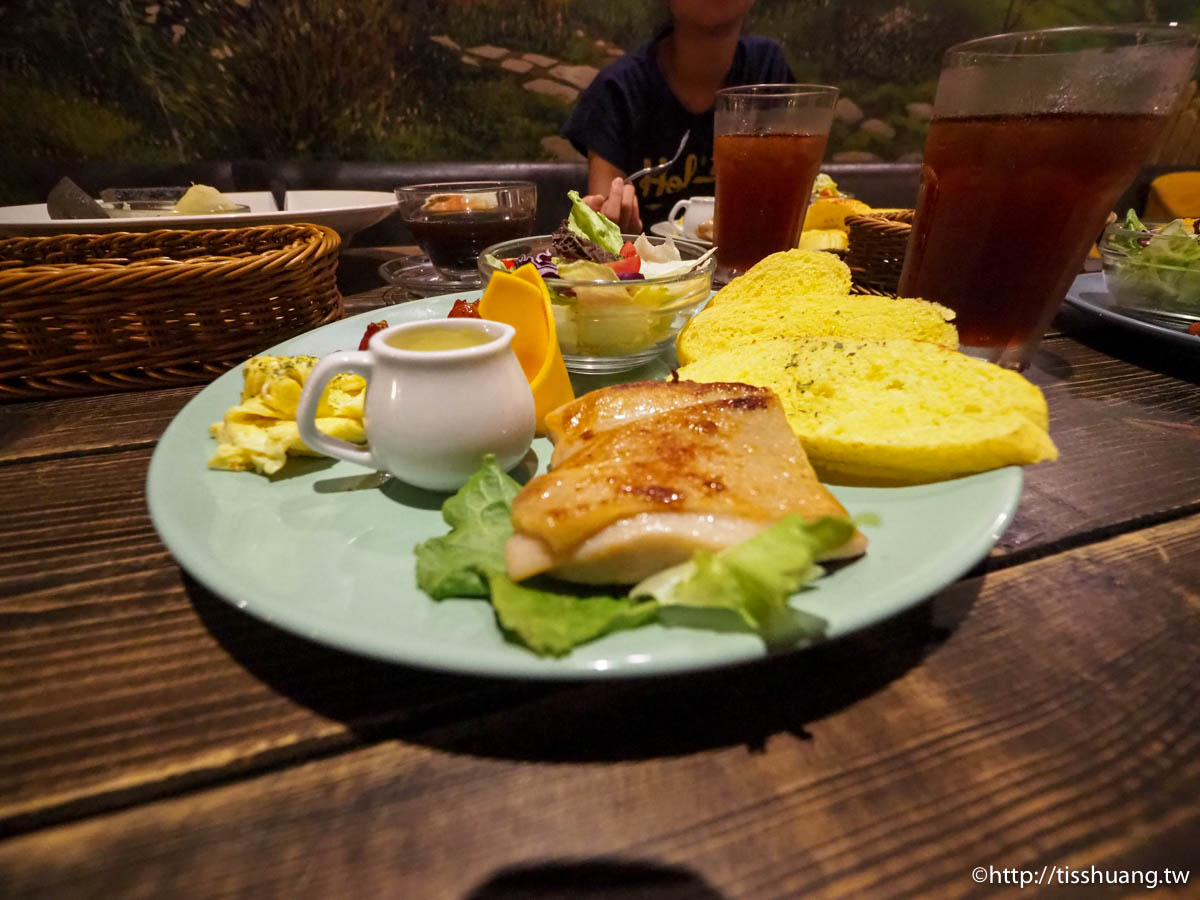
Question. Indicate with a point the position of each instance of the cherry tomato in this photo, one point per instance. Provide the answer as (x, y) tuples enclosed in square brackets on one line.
[(626, 265), (371, 329), (627, 250), (1194, 328), (465, 309), (510, 262)]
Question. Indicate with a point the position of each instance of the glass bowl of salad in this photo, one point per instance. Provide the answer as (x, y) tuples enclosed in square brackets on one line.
[(1154, 269), (618, 299)]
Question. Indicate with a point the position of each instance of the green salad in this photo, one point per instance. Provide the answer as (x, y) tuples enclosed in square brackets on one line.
[(1155, 266), (607, 292), (747, 584)]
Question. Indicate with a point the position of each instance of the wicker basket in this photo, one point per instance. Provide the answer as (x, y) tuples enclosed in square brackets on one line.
[(86, 313), (876, 254)]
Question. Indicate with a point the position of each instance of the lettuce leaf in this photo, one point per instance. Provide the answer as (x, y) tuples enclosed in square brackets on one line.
[(553, 623), (752, 580), (584, 270), (480, 520), (652, 295), (755, 578), (1160, 267), (585, 222), (1132, 222), (469, 562)]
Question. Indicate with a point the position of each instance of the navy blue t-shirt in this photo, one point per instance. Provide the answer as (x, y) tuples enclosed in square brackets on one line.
[(630, 117)]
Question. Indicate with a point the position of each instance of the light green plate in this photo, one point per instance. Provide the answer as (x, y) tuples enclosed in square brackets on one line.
[(326, 551)]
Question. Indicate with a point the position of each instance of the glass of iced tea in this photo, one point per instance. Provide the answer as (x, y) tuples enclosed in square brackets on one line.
[(767, 146), (1034, 137)]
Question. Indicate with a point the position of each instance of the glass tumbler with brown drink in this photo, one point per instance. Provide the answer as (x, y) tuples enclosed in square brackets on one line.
[(768, 143), (454, 221), (1034, 137)]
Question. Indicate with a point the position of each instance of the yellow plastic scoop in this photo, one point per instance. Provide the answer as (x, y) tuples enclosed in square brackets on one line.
[(520, 299)]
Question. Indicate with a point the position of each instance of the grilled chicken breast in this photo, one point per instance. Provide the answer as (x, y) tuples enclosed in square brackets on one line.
[(657, 473), (574, 424)]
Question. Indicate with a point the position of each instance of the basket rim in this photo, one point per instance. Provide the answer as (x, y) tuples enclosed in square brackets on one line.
[(99, 235), (897, 215), (71, 328), (310, 236)]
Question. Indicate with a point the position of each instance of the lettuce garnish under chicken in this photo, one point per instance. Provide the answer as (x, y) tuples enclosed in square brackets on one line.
[(751, 580)]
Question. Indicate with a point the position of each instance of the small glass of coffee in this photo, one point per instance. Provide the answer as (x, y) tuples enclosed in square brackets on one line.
[(454, 221)]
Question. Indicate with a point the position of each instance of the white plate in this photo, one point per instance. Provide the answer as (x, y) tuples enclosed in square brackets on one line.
[(1089, 293), (669, 229), (325, 549), (346, 212)]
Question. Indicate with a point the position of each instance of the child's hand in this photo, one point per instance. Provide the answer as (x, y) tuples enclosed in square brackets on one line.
[(620, 205)]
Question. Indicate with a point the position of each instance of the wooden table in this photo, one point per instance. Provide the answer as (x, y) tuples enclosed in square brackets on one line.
[(1043, 711)]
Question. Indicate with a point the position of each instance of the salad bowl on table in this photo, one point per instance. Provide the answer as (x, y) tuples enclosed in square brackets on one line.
[(1153, 270), (616, 316)]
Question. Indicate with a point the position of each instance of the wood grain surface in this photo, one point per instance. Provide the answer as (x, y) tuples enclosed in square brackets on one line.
[(1002, 724), (101, 617), (1127, 438), (123, 678)]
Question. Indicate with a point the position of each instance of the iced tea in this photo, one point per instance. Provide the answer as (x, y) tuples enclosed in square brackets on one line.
[(1034, 136), (1008, 208), (767, 146), (764, 182)]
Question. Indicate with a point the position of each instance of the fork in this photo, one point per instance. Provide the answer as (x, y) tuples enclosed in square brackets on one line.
[(651, 170)]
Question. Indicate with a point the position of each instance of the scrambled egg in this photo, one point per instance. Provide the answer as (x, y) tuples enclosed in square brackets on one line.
[(260, 433)]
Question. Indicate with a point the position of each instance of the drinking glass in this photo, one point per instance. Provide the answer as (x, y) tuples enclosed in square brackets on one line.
[(454, 221), (768, 143), (1034, 137)]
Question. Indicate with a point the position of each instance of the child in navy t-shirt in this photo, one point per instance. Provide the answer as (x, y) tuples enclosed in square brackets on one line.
[(630, 118)]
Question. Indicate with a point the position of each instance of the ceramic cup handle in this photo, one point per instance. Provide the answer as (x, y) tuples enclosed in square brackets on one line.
[(355, 362), (680, 208)]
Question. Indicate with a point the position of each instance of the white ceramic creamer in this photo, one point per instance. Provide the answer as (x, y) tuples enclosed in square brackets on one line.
[(441, 394)]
